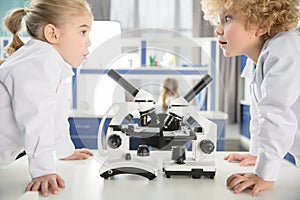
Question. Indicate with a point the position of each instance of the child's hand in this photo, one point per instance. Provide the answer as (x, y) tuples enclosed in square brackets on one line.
[(243, 159), (79, 154), (45, 183), (241, 181)]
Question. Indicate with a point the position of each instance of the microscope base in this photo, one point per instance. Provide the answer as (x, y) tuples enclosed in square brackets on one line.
[(128, 170), (189, 169), (136, 166)]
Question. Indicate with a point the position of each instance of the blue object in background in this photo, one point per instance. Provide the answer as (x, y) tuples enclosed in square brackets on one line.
[(243, 62), (2, 48), (290, 158), (84, 131), (143, 53), (201, 100), (5, 43)]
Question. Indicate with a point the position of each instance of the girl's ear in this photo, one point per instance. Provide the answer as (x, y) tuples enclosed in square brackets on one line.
[(51, 33)]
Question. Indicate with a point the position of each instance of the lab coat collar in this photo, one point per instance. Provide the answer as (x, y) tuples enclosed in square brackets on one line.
[(248, 70), (66, 71), (66, 68)]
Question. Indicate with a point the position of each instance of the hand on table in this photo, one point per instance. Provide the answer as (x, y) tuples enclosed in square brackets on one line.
[(51, 182), (46, 183), (79, 154), (243, 159), (241, 181)]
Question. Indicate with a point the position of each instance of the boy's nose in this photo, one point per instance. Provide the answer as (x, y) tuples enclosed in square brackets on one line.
[(219, 30)]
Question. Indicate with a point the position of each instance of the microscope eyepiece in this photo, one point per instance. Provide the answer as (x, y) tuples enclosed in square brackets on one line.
[(121, 81), (198, 87)]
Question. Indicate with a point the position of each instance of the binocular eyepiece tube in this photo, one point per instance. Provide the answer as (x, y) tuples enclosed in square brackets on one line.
[(198, 87), (124, 83)]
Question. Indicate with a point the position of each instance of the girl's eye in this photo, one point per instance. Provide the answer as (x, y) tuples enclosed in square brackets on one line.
[(83, 33), (227, 18)]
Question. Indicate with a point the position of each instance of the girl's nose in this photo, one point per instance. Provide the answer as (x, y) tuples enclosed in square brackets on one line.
[(88, 42), (219, 30)]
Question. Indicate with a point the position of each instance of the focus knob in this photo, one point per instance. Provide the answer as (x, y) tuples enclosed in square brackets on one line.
[(114, 141), (143, 150), (207, 146)]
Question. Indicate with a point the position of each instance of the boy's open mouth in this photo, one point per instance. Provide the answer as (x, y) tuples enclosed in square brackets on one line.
[(222, 43)]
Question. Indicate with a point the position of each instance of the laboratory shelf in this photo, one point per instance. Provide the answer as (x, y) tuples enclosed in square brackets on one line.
[(151, 71)]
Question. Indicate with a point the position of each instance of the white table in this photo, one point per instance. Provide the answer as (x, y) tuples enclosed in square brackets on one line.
[(84, 183)]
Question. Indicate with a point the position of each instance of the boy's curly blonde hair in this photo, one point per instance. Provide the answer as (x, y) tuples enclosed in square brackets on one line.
[(274, 16)]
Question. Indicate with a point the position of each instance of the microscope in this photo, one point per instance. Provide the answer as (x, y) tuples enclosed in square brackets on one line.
[(164, 136)]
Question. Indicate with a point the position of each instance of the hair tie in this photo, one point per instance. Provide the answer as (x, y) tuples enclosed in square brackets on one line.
[(25, 11)]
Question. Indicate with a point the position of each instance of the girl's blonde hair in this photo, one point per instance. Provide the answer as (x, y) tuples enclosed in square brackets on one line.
[(40, 13), (274, 16), (169, 89)]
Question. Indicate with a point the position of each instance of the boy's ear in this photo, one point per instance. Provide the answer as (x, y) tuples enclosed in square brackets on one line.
[(261, 31), (51, 33)]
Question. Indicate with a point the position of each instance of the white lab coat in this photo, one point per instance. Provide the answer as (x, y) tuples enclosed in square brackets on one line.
[(275, 104), (33, 107)]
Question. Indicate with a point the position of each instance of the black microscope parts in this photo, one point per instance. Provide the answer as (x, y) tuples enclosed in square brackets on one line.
[(163, 136)]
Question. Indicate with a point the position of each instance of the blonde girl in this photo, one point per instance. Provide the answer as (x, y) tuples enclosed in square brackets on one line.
[(33, 90), (169, 91)]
